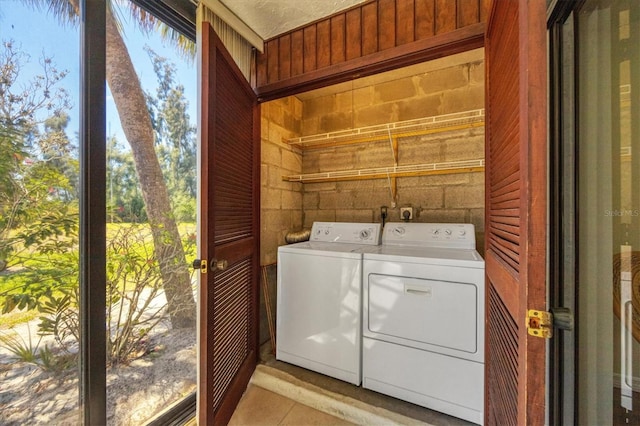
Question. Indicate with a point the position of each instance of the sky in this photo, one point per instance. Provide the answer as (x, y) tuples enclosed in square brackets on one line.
[(38, 32)]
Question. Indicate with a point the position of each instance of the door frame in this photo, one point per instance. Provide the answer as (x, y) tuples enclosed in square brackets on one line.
[(563, 357), (540, 395)]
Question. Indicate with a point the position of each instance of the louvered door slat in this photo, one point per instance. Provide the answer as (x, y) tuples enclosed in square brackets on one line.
[(233, 187), (508, 188), (230, 326), (503, 226), (504, 377)]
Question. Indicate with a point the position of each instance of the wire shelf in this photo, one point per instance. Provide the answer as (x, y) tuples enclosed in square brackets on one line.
[(446, 122), (394, 171)]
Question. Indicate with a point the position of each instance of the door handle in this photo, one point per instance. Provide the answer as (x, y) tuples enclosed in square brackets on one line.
[(626, 328), (562, 318), (216, 265), (219, 265), (421, 291)]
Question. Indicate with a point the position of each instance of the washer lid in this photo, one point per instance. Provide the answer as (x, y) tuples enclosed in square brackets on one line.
[(322, 248), (427, 255)]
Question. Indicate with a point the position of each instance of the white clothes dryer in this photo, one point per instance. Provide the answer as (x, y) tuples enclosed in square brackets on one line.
[(319, 302), (423, 318)]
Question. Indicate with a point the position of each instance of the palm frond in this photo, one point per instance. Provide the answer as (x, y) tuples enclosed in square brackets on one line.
[(144, 19), (148, 23), (67, 12), (186, 47)]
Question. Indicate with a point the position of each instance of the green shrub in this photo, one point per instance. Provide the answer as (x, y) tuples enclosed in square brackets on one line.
[(24, 350), (48, 283)]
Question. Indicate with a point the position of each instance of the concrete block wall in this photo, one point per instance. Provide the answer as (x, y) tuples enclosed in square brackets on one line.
[(281, 202), (442, 91), (437, 198)]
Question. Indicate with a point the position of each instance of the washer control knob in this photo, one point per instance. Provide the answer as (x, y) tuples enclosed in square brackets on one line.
[(365, 234), (462, 233), (399, 231), (435, 231), (447, 231)]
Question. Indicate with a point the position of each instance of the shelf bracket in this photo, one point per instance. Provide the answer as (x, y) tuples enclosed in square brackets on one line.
[(393, 142), (393, 189), (394, 146)]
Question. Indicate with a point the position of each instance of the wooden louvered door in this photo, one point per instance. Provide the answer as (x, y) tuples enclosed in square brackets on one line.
[(516, 149), (229, 231)]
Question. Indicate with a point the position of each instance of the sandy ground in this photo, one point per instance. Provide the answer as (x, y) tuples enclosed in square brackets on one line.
[(135, 392)]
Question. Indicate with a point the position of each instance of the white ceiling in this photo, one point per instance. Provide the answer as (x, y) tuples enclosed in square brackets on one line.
[(269, 18)]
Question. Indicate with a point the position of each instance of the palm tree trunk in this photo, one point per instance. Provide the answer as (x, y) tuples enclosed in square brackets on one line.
[(136, 123)]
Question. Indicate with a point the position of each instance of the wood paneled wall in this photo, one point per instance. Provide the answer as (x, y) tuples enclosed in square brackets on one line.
[(376, 33)]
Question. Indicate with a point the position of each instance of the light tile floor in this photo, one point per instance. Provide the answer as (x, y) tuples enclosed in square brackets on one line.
[(260, 407)]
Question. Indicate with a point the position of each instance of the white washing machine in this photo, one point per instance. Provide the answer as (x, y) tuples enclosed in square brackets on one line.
[(320, 299), (423, 318)]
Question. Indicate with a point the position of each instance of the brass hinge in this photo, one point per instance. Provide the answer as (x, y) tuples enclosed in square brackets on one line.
[(540, 323)]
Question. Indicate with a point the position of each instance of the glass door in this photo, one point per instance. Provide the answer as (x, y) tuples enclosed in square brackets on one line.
[(607, 244)]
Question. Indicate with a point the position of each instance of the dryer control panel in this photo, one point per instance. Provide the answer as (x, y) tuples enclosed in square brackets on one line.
[(445, 235), (344, 232)]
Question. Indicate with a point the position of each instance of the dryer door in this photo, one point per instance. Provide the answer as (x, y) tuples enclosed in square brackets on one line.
[(423, 313)]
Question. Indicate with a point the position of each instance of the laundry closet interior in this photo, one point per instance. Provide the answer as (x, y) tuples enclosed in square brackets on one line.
[(409, 139)]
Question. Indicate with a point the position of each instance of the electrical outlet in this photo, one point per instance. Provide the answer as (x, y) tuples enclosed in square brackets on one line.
[(406, 213)]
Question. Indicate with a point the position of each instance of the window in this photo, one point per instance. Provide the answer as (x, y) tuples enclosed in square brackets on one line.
[(69, 244)]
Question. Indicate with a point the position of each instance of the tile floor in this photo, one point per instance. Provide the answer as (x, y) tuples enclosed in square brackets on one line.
[(261, 407), (414, 413)]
